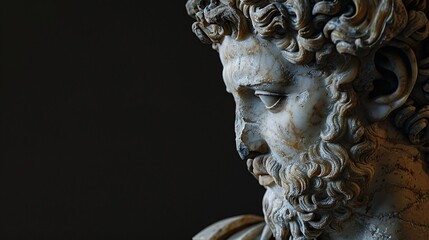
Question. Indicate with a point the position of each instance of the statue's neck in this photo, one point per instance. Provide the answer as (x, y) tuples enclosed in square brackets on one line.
[(397, 163), (398, 194)]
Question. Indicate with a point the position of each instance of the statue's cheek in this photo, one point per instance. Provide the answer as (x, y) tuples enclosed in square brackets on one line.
[(307, 110)]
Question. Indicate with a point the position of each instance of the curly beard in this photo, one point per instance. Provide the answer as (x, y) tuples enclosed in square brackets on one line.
[(320, 189)]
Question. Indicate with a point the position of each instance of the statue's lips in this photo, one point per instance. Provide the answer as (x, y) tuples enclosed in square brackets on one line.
[(256, 167)]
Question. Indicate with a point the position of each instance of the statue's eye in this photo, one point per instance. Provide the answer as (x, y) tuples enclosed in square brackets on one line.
[(269, 99)]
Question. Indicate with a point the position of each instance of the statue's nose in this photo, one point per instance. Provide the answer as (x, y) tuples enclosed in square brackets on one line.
[(243, 150), (249, 141)]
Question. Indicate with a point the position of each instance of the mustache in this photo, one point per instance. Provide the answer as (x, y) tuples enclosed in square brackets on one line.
[(265, 168)]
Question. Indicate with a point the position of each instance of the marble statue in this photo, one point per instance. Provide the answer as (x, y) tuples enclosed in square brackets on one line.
[(332, 114)]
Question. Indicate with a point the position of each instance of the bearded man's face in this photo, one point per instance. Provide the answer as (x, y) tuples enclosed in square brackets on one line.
[(282, 114)]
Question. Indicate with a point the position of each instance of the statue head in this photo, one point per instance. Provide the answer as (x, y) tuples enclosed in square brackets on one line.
[(313, 81)]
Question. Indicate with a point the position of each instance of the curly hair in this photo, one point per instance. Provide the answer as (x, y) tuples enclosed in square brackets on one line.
[(304, 29)]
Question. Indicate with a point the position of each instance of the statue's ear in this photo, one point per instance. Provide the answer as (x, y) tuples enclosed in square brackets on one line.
[(396, 73)]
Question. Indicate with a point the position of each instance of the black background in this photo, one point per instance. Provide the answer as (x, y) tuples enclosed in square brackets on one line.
[(115, 124)]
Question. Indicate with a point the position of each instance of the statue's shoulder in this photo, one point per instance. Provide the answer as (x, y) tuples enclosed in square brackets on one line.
[(244, 227)]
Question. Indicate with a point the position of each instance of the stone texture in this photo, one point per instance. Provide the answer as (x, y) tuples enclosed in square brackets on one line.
[(332, 113), (236, 226)]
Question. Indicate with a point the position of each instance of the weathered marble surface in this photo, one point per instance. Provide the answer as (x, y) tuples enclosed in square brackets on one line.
[(235, 228), (332, 113)]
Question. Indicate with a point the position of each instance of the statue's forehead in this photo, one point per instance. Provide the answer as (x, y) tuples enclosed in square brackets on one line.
[(252, 46), (258, 62), (253, 61)]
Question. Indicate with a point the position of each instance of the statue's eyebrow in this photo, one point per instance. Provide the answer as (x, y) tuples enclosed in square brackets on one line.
[(267, 86), (266, 81)]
